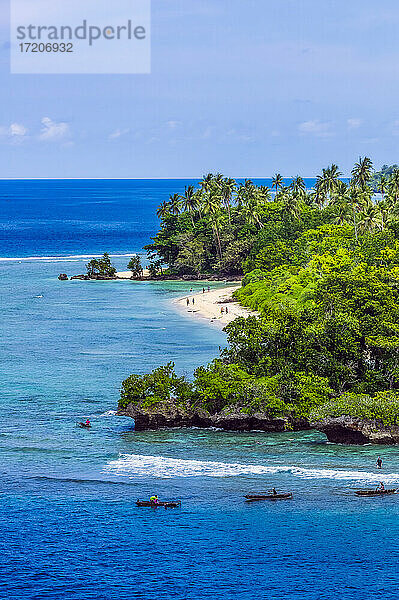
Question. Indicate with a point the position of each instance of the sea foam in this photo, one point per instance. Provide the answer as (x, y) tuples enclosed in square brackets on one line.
[(164, 467)]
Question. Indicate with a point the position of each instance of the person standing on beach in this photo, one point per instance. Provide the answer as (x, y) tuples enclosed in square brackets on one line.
[(209, 289), (203, 290), (379, 462), (193, 301), (188, 302)]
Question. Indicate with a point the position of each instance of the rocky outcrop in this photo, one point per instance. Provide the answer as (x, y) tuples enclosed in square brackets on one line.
[(350, 430), (230, 419), (94, 277), (164, 415)]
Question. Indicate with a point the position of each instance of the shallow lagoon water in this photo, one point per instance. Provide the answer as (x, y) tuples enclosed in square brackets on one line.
[(70, 528)]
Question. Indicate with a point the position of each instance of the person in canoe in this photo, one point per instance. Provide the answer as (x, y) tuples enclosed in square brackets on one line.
[(379, 462), (87, 423), (154, 500), (380, 487)]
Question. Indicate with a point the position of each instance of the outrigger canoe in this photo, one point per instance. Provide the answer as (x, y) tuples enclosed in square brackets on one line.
[(148, 503), (256, 497), (375, 492)]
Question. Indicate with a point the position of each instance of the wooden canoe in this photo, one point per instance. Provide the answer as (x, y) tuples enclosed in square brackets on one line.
[(168, 504), (256, 497), (375, 492)]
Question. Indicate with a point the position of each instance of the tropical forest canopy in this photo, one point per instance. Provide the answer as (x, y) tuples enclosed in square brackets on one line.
[(320, 267)]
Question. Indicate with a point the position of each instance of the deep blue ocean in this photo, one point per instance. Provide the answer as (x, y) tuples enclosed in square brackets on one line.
[(69, 525)]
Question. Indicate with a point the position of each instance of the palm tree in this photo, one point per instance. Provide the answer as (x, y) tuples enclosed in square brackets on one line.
[(298, 187), (218, 179), (263, 194), (370, 219), (175, 204), (340, 193), (206, 182), (357, 200), (291, 205), (246, 192), (211, 206), (342, 212), (190, 201), (332, 175), (384, 210), (241, 195), (362, 172), (393, 186), (277, 182), (228, 187), (163, 210), (251, 213), (382, 185), (320, 195), (327, 184), (215, 220)]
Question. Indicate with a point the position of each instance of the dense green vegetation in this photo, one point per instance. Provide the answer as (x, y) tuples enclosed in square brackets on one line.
[(383, 407), (135, 266), (380, 179), (321, 267), (100, 267)]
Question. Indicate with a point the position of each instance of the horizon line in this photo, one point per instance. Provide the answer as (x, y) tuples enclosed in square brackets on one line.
[(148, 178)]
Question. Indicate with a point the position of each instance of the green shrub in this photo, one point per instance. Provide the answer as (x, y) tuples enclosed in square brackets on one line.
[(161, 385), (384, 407)]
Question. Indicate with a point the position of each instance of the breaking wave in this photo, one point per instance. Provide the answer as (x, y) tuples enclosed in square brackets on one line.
[(163, 467), (71, 257)]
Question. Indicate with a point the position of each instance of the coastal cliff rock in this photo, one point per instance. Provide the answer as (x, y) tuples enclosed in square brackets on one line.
[(350, 430), (233, 419), (164, 415), (230, 419)]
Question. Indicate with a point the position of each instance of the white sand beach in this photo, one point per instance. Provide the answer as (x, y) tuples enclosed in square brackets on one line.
[(208, 306), (128, 274)]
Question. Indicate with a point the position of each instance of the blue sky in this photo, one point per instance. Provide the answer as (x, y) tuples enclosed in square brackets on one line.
[(245, 87)]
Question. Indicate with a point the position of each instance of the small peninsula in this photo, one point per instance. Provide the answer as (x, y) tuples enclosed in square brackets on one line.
[(320, 271)]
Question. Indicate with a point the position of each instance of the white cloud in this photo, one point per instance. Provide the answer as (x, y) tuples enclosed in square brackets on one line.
[(17, 130), (316, 128), (354, 123), (15, 133), (118, 133), (52, 131)]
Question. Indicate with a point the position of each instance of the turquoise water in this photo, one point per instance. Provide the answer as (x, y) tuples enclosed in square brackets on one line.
[(70, 528)]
